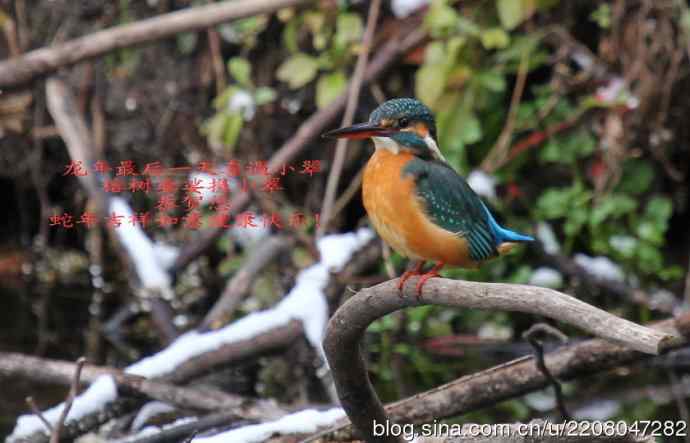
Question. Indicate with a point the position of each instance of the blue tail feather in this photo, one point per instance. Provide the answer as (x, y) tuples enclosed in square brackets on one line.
[(503, 235)]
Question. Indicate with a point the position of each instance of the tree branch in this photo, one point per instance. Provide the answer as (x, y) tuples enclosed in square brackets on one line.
[(349, 323), (46, 60)]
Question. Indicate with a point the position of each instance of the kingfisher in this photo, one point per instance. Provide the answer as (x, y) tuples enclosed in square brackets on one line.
[(416, 201)]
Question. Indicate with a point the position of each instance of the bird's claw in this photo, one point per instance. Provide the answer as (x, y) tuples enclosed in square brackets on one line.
[(406, 276)]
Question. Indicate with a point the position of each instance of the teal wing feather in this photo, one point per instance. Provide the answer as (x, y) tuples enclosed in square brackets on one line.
[(451, 204)]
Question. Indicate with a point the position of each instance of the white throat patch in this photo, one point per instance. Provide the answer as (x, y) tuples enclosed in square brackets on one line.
[(386, 143), (433, 147)]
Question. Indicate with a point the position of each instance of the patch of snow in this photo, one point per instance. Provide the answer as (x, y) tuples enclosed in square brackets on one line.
[(165, 254), (103, 390), (494, 331), (243, 102), (600, 267), (616, 91), (624, 244), (541, 401), (600, 410), (205, 182), (547, 278), (302, 422), (141, 249), (548, 238), (482, 183), (404, 8), (250, 235), (306, 302), (148, 411)]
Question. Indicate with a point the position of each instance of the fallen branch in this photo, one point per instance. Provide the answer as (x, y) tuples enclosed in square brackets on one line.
[(46, 60), (46, 371), (349, 323)]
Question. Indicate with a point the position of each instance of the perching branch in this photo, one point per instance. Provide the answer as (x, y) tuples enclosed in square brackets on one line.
[(349, 323), (43, 61), (74, 385)]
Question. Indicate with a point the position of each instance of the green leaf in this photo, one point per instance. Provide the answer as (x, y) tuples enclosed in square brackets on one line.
[(494, 38), (241, 70), (264, 95), (430, 81), (513, 12), (349, 29), (637, 177), (231, 132), (329, 87), (298, 70), (614, 205), (492, 80), (440, 18)]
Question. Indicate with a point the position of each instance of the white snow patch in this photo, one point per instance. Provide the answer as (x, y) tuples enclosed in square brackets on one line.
[(305, 302), (141, 249), (616, 91), (482, 183), (547, 238), (601, 410), (148, 411), (303, 422), (101, 391), (165, 254), (600, 267), (205, 182), (243, 102), (623, 244), (404, 8), (250, 235), (541, 401), (546, 277)]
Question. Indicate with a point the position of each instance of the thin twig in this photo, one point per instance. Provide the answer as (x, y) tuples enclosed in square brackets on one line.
[(37, 412), (531, 336), (352, 101), (74, 386), (499, 153)]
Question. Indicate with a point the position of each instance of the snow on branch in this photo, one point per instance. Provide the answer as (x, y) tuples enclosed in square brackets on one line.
[(306, 302)]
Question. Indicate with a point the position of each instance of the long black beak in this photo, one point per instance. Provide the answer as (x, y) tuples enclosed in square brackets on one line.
[(359, 131)]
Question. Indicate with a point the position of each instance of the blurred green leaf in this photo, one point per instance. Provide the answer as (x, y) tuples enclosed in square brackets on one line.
[(513, 12), (430, 81), (264, 95), (329, 87), (349, 29), (602, 16), (637, 177), (298, 70), (495, 38), (241, 70), (441, 18), (492, 80), (231, 132), (613, 205)]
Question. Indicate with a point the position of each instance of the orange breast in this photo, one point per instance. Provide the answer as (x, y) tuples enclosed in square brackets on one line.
[(398, 215)]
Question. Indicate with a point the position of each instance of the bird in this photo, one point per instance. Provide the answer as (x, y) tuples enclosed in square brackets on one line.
[(416, 201)]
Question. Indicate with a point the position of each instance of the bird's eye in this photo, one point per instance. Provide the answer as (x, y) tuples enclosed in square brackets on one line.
[(403, 122)]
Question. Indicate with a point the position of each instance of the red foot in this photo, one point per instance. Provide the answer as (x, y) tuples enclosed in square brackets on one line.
[(410, 273), (433, 272)]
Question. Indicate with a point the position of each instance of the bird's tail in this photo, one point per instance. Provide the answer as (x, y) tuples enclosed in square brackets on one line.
[(504, 235)]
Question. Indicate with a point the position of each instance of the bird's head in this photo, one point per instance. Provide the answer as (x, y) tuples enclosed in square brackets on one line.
[(401, 124)]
